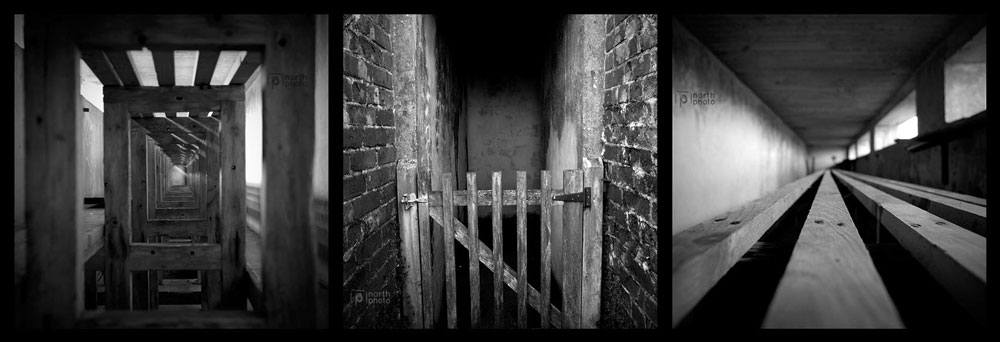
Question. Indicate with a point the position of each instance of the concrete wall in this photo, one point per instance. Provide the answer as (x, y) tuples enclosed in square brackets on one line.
[(728, 152), (93, 150)]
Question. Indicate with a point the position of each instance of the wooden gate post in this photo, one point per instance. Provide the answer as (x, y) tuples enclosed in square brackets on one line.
[(572, 250), (591, 306), (413, 307)]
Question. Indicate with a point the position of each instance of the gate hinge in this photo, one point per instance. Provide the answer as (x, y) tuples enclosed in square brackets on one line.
[(409, 199), (583, 197)]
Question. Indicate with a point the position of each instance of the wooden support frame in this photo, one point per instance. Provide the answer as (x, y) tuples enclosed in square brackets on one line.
[(53, 45)]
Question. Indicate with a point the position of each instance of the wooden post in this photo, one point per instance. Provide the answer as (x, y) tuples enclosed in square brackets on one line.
[(426, 259), (498, 267), (592, 248), (572, 250), (289, 271), (137, 147), (54, 272), (410, 244), (522, 251), (232, 217), (117, 217), (448, 214), (473, 244), (212, 280), (546, 253)]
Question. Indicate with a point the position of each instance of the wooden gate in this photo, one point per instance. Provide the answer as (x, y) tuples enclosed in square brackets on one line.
[(580, 204)]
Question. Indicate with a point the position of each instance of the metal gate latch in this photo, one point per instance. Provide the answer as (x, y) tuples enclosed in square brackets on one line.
[(575, 197), (409, 199)]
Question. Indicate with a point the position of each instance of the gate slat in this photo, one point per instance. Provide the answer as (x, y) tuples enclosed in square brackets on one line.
[(592, 250), (522, 251), (572, 250), (546, 249), (473, 251), (497, 250), (449, 249), (426, 269)]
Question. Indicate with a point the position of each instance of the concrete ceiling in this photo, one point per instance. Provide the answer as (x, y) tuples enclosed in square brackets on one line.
[(826, 76)]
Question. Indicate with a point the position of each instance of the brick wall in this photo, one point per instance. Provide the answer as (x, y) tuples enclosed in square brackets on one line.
[(628, 282), (372, 261)]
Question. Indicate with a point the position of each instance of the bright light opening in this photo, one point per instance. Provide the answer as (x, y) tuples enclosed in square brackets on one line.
[(907, 129), (159, 115)]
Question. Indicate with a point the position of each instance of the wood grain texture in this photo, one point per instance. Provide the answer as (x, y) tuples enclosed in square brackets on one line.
[(592, 248), (508, 275), (141, 287), (546, 252), (232, 205), (940, 192), (117, 199), (954, 256), (497, 248), (171, 320), (177, 32), (485, 197), (406, 178), (966, 215), (702, 254), (449, 251), (830, 280), (522, 250), (212, 287), (424, 225), (173, 99), (473, 220), (572, 251), (174, 256), (53, 283), (288, 138)]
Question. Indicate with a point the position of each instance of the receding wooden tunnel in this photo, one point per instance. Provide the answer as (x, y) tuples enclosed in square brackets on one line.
[(171, 225)]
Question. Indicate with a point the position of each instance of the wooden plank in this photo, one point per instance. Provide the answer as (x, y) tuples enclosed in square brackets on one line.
[(522, 250), (117, 199), (954, 256), (963, 214), (486, 258), (137, 148), (177, 32), (406, 177), (212, 286), (172, 99), (123, 67), (572, 251), (485, 197), (288, 138), (592, 248), (247, 67), (53, 283), (163, 62), (702, 254), (101, 66), (497, 250), (473, 247), (206, 67), (232, 206), (546, 252), (449, 251), (175, 256), (254, 284), (945, 193), (830, 280), (171, 320)]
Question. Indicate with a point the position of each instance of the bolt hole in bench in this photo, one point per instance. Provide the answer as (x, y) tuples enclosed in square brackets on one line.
[(835, 249)]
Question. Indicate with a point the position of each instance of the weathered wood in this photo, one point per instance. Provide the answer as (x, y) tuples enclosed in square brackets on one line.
[(207, 59), (212, 287), (196, 126), (954, 256), (232, 215), (123, 67), (522, 250), (830, 280), (485, 197), (288, 138), (497, 250), (173, 99), (963, 214), (175, 256), (171, 320), (53, 281), (449, 251), (255, 285), (954, 195), (101, 66), (473, 247), (177, 32), (546, 252), (486, 258), (409, 245), (702, 254), (592, 248), (572, 251), (117, 200), (424, 224), (247, 67), (163, 62), (137, 147)]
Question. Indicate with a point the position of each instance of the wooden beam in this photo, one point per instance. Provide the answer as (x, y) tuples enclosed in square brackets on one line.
[(177, 228), (173, 99), (163, 63), (175, 256), (232, 215), (451, 304), (954, 256), (206, 67), (473, 219), (288, 139), (522, 249), (963, 214), (212, 287), (197, 126), (53, 283), (177, 32), (592, 248), (171, 320), (118, 201), (406, 177), (250, 63), (485, 197), (572, 252), (830, 280), (702, 254), (123, 67), (141, 286), (101, 65)]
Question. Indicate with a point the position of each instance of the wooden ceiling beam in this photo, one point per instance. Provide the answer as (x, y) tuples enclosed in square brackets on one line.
[(249, 65), (123, 67), (98, 61), (163, 62)]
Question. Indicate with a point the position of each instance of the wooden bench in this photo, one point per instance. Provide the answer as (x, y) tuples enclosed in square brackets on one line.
[(830, 280)]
